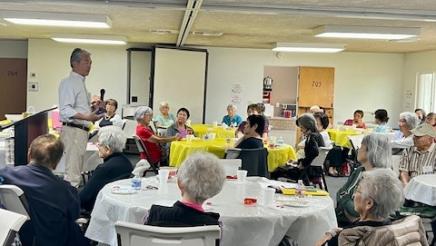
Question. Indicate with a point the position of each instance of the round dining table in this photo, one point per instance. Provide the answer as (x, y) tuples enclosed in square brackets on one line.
[(340, 136), (305, 220), (201, 130), (278, 155), (422, 189)]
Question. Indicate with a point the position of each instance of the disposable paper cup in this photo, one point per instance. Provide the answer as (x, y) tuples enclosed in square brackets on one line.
[(242, 175), (268, 196), (163, 175)]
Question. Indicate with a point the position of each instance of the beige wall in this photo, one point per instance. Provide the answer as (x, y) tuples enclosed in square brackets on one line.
[(366, 81), (362, 80), (415, 63), (284, 88), (49, 61)]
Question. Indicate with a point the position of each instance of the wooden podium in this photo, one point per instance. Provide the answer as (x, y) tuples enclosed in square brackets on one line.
[(25, 131)]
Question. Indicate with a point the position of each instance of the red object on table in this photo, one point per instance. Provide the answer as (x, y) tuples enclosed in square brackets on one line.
[(250, 201)]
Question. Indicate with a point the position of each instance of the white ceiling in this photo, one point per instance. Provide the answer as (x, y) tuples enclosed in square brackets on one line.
[(244, 23)]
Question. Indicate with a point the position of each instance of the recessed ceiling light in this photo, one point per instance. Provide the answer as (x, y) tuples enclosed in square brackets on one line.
[(308, 47), (366, 32), (85, 39), (57, 19)]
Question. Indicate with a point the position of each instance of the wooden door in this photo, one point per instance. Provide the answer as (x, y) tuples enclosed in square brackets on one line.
[(316, 86), (13, 82)]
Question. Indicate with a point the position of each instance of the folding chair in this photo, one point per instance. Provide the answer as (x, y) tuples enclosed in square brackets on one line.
[(154, 167), (12, 198), (10, 225), (137, 235)]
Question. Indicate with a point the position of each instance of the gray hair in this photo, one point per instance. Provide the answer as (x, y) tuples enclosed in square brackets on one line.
[(232, 106), (202, 176), (163, 104), (384, 188), (378, 150), (77, 55), (411, 119), (307, 121), (141, 111), (112, 137)]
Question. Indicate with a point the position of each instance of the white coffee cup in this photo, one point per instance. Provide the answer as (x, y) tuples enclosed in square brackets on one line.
[(268, 197), (242, 175), (163, 175)]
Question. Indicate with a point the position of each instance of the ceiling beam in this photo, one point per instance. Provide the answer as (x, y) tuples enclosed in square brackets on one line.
[(324, 11), (192, 8)]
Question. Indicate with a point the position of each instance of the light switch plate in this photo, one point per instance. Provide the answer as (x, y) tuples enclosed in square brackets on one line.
[(33, 86)]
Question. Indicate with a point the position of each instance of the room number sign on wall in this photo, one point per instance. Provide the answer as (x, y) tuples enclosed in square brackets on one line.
[(316, 83)]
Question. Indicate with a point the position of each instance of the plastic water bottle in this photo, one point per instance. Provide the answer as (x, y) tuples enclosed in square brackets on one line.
[(136, 183), (300, 187)]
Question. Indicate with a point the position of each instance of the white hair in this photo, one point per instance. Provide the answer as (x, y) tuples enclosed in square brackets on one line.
[(410, 118), (202, 176), (163, 104), (384, 188), (378, 150), (141, 111), (232, 106), (112, 137)]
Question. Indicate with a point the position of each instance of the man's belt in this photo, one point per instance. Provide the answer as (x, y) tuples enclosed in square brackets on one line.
[(85, 128)]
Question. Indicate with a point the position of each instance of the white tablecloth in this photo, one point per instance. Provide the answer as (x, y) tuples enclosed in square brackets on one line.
[(422, 188), (242, 225)]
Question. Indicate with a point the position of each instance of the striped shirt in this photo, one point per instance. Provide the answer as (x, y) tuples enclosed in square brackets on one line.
[(419, 162)]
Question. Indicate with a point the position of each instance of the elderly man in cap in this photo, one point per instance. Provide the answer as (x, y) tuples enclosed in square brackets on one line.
[(421, 157)]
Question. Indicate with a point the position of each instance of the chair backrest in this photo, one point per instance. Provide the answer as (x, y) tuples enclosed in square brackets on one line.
[(356, 141), (255, 161), (231, 166), (319, 160), (406, 231), (139, 235), (10, 224), (232, 153), (12, 198), (142, 148)]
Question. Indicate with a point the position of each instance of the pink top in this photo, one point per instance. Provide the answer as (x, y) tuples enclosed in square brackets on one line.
[(193, 205)]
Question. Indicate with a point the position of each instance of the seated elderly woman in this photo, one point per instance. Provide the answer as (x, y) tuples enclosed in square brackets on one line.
[(408, 121), (199, 178), (313, 140), (357, 120), (253, 131), (110, 117), (431, 119), (111, 142), (143, 116), (253, 109), (165, 118), (420, 113), (322, 123), (378, 194), (381, 119), (180, 127), (375, 152), (232, 119)]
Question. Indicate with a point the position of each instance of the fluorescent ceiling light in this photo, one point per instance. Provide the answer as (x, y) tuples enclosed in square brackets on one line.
[(366, 32), (57, 19), (308, 48), (83, 39)]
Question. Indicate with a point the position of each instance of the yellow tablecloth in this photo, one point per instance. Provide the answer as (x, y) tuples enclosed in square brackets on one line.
[(200, 130), (277, 156), (340, 137)]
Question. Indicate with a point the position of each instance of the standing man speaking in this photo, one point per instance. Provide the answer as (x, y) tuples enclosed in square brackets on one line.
[(75, 114)]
